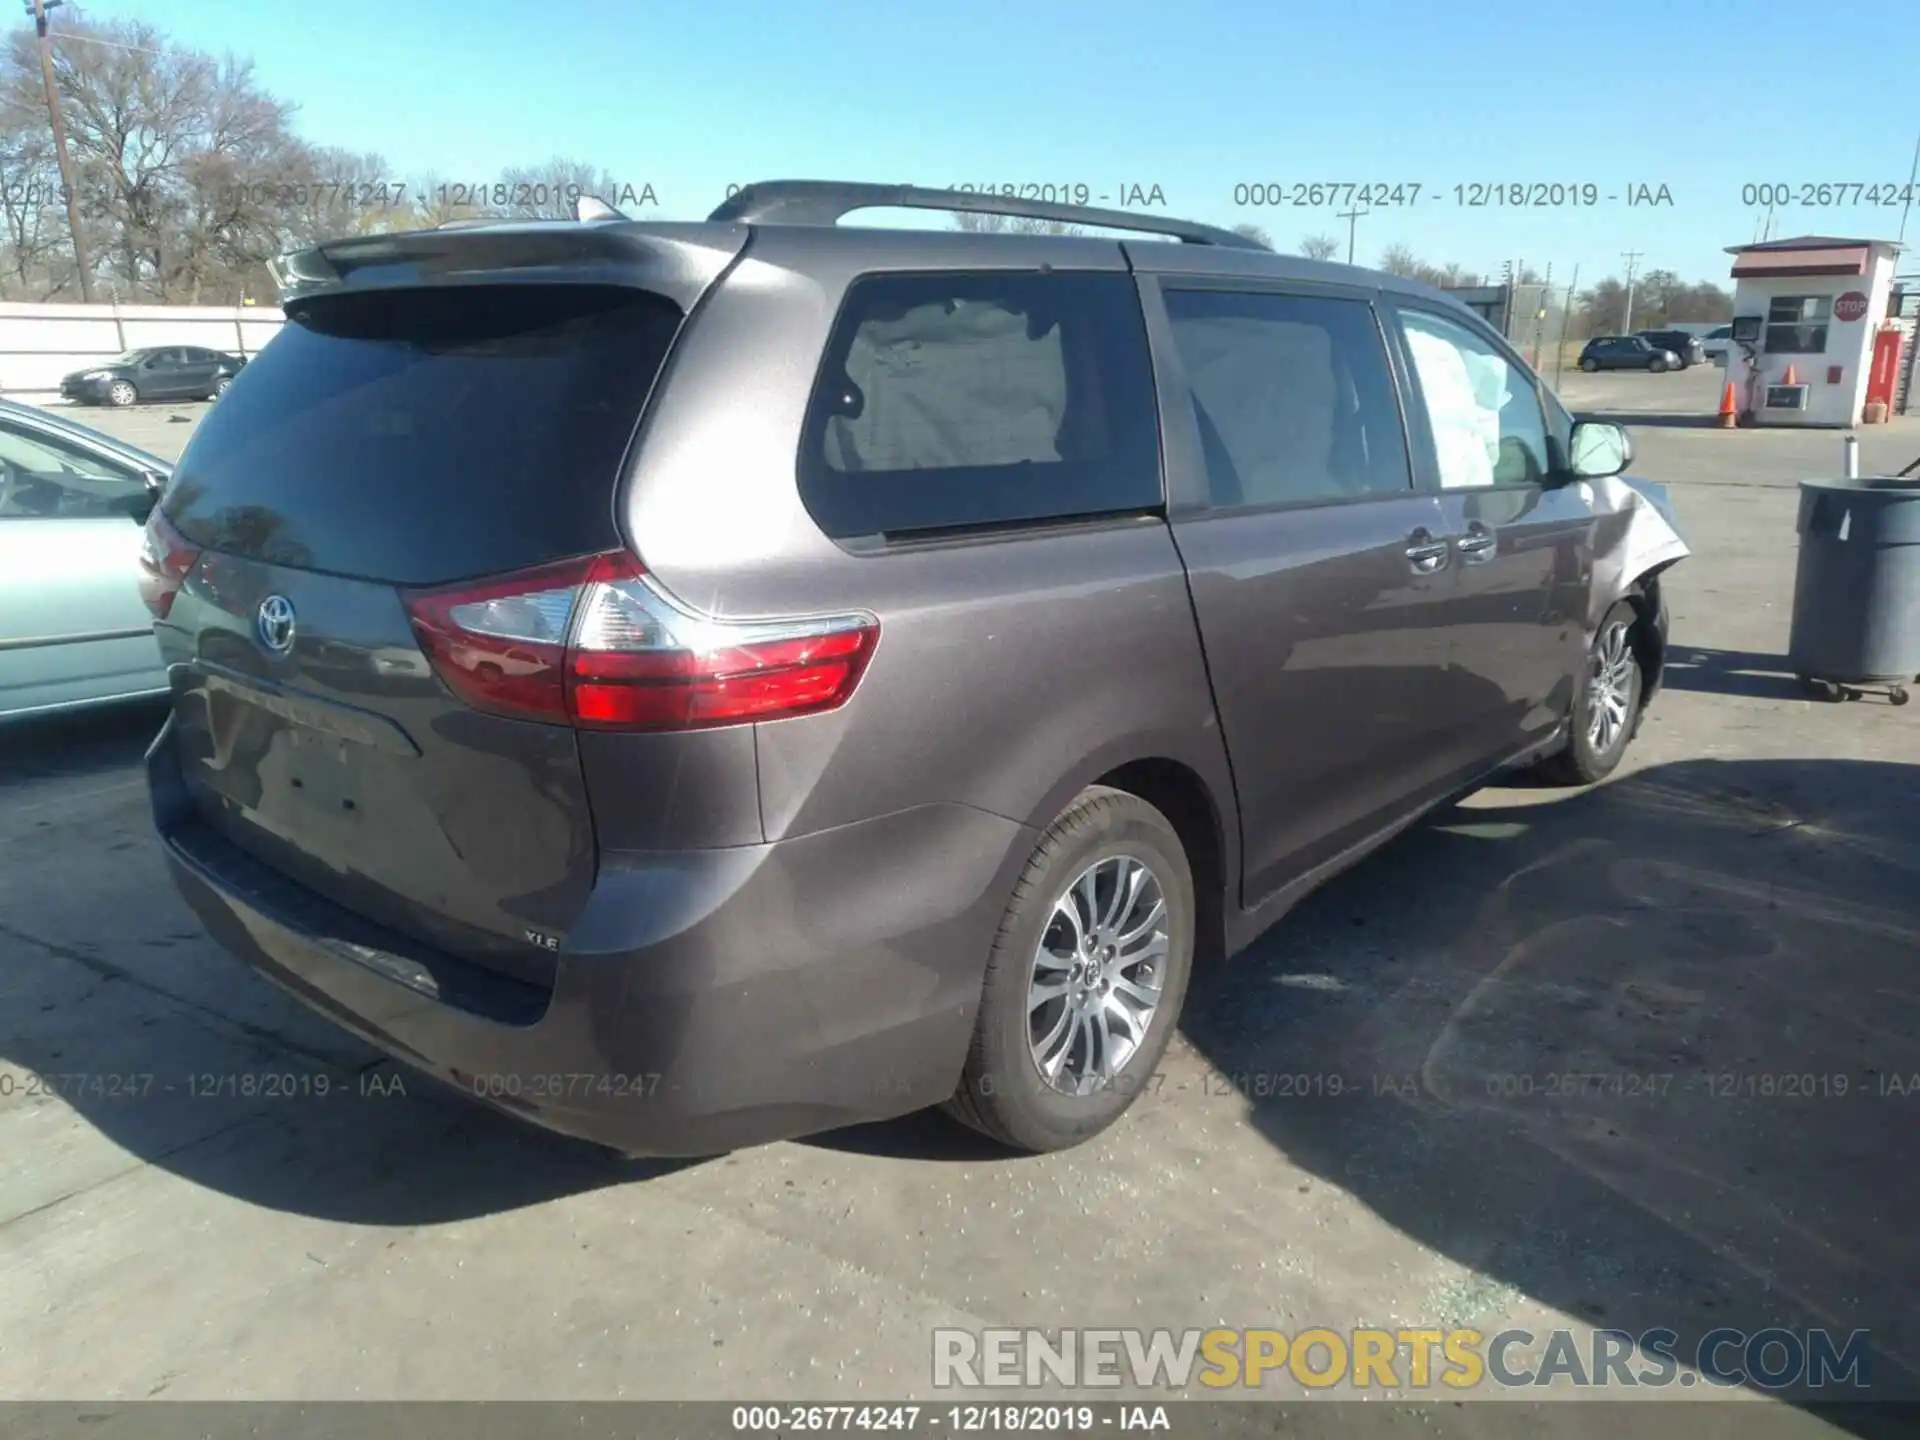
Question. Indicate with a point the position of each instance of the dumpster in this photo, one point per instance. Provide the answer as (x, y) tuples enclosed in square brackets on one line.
[(1856, 591)]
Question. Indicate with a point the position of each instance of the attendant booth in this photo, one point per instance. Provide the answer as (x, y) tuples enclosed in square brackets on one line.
[(1808, 315)]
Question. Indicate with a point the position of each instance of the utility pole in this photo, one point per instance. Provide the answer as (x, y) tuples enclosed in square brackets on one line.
[(1540, 316), (1913, 177), (1566, 314), (1631, 257), (1352, 217), (39, 9)]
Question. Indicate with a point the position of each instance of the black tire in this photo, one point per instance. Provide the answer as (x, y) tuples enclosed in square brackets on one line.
[(1002, 1093), (220, 387), (121, 393), (1583, 762), (1589, 366), (1658, 367)]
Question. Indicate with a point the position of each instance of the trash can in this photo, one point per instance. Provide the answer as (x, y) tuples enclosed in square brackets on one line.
[(1856, 591)]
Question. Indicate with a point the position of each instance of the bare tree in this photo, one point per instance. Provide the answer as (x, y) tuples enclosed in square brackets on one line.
[(1400, 260), (1319, 247), (551, 191), (975, 222), (1254, 233), (38, 256)]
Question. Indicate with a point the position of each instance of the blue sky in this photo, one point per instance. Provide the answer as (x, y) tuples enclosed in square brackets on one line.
[(1701, 96)]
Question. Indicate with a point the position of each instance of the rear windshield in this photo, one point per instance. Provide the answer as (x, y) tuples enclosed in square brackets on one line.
[(429, 435)]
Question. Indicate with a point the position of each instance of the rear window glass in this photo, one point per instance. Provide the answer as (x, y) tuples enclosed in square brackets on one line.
[(429, 435), (975, 399)]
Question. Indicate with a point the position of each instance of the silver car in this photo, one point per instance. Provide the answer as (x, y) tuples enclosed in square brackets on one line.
[(74, 629)]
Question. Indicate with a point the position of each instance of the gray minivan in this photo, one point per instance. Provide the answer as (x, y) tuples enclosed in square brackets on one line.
[(691, 684)]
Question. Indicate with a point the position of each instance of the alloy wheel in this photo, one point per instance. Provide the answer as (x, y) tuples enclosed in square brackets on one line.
[(1610, 689), (1097, 975)]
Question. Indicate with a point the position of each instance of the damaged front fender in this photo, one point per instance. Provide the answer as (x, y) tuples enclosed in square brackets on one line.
[(1637, 538)]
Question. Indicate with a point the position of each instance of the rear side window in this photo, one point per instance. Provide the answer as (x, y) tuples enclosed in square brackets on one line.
[(428, 435), (966, 399), (1292, 396)]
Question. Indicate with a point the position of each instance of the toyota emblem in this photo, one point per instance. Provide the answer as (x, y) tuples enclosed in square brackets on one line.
[(274, 621)]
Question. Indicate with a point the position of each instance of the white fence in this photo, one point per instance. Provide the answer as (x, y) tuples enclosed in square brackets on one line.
[(41, 343)]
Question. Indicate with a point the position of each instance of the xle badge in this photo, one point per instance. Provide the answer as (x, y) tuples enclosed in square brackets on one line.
[(545, 942)]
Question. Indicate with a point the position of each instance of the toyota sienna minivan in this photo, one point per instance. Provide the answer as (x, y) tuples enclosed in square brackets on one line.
[(698, 683)]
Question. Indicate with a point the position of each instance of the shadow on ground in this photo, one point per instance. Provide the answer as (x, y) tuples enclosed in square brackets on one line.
[(1649, 1054), (1657, 419), (1744, 672)]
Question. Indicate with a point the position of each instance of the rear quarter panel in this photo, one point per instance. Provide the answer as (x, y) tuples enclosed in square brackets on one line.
[(1010, 672)]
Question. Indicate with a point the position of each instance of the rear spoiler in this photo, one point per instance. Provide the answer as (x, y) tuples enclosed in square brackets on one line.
[(677, 260)]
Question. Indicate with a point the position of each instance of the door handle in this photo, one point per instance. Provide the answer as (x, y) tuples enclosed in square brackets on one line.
[(1476, 546), (1425, 553)]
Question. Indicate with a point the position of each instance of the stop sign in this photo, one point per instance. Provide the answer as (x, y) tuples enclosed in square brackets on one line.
[(1850, 306)]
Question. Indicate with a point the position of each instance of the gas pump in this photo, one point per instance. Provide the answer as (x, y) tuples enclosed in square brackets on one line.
[(1747, 330)]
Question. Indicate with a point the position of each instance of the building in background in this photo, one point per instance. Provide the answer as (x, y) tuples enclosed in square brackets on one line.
[(1809, 314)]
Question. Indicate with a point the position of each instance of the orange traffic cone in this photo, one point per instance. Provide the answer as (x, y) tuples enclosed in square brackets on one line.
[(1729, 412), (1793, 376)]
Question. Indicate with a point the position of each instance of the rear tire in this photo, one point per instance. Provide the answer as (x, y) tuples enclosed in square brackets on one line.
[(1658, 367), (1067, 940), (1606, 704)]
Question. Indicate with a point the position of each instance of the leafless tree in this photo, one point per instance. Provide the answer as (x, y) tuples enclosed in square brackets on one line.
[(1255, 233), (1319, 247), (551, 191), (977, 223)]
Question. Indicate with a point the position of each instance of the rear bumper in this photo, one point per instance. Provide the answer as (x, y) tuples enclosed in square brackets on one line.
[(703, 1001)]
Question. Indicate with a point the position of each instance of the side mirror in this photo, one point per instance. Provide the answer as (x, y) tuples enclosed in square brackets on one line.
[(138, 507), (1598, 448)]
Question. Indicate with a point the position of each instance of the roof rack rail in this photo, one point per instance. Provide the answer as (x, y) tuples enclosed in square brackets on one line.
[(824, 202)]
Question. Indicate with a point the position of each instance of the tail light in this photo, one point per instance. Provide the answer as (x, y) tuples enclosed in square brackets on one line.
[(165, 559), (596, 644)]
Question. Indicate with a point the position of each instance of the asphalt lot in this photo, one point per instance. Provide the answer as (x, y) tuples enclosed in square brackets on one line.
[(1738, 912)]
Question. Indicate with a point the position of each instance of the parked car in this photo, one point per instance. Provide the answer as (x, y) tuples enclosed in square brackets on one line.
[(1626, 352), (1680, 343), (167, 372), (73, 631), (1716, 343), (885, 702)]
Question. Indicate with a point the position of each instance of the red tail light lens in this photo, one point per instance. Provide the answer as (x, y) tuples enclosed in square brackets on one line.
[(596, 644), (165, 560)]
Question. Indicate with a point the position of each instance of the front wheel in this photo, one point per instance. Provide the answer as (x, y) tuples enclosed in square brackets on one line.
[(220, 388), (1606, 706), (1589, 366), (1086, 977), (122, 394)]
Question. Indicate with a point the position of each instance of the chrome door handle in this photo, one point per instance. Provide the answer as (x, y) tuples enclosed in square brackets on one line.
[(1476, 546), (1426, 553)]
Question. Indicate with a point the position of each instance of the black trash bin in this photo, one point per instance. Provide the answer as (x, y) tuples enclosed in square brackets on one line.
[(1856, 592)]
